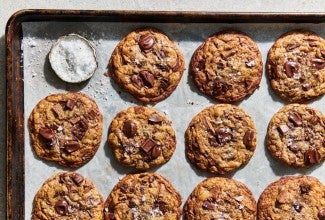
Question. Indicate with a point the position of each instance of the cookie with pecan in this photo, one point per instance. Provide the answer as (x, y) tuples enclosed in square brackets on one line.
[(141, 137), (220, 139), (66, 128), (292, 197), (143, 196), (220, 198), (147, 64), (227, 66), (296, 135), (67, 195), (296, 66)]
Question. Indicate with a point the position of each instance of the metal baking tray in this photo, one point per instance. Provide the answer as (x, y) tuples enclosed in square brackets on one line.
[(188, 29)]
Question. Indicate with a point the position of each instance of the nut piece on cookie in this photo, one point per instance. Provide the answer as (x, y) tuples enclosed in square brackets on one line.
[(73, 58), (147, 64)]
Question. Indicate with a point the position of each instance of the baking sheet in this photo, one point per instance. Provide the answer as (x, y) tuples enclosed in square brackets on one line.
[(180, 107)]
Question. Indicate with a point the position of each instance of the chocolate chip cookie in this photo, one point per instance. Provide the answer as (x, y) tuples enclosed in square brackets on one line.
[(66, 129), (296, 135), (143, 196), (296, 66), (67, 195), (220, 139), (292, 197), (147, 64), (220, 198), (141, 137), (227, 67)]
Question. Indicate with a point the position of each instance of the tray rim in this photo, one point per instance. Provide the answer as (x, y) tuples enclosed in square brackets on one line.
[(15, 136)]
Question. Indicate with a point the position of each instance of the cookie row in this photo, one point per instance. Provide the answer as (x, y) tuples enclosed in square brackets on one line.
[(67, 129), (227, 66), (69, 195)]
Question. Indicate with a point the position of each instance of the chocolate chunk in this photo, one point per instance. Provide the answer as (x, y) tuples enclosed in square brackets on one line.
[(312, 156), (304, 188), (61, 207), (210, 126), (318, 63), (91, 114), (160, 54), (290, 68), (306, 86), (80, 128), (297, 206), (248, 139), (62, 178), (156, 152), (220, 87), (292, 46), (46, 133), (71, 146), (164, 83), (58, 109), (313, 120), (137, 81), (77, 178), (207, 205), (109, 216), (151, 179), (222, 135), (312, 42), (148, 144), (155, 119), (146, 42), (294, 147), (322, 52), (129, 129), (321, 214), (250, 64), (283, 129), (161, 205), (148, 78), (70, 104), (295, 119), (176, 66), (201, 64), (274, 71)]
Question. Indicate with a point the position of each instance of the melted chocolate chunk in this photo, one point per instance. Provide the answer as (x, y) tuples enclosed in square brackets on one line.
[(304, 188), (77, 178), (71, 146), (148, 78), (222, 136), (220, 87), (283, 129), (321, 214), (137, 81), (312, 156), (248, 139), (295, 119), (201, 64), (57, 108), (129, 129), (290, 68), (314, 120), (294, 147), (297, 206), (161, 205), (274, 71), (148, 144), (207, 205), (154, 119), (292, 46), (156, 152), (318, 63), (146, 42), (80, 128), (46, 133), (70, 104), (306, 86), (164, 83), (322, 52), (61, 207)]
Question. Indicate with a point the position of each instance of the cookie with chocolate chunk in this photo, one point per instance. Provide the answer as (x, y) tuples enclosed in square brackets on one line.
[(147, 64), (66, 129), (296, 135), (143, 196), (220, 139), (141, 137), (292, 197), (227, 66), (67, 195), (220, 198), (296, 66)]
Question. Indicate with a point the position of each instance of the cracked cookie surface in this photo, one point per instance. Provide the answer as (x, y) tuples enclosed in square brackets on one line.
[(147, 64), (292, 197), (66, 128), (296, 66), (143, 196), (296, 135), (67, 195), (220, 198), (141, 137), (227, 67), (220, 139)]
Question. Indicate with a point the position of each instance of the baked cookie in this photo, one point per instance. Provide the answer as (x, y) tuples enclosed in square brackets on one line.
[(147, 64), (141, 137), (220, 198), (143, 196), (296, 135), (227, 67), (296, 66), (67, 195), (220, 139), (66, 129), (292, 197)]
